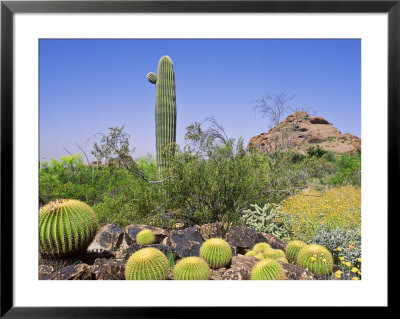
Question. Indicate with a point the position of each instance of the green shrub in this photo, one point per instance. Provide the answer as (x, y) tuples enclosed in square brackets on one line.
[(349, 170)]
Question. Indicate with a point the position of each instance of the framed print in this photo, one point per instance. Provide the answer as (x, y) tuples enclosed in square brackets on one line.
[(166, 154)]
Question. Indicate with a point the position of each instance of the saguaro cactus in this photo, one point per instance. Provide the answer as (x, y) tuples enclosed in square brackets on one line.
[(165, 108)]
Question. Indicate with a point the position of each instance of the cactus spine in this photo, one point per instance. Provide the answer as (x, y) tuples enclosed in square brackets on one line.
[(216, 252), (147, 264), (191, 268), (293, 248), (165, 108), (145, 237), (317, 259), (267, 269), (66, 228)]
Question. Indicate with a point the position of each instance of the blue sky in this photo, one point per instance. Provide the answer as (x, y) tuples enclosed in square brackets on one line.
[(87, 86)]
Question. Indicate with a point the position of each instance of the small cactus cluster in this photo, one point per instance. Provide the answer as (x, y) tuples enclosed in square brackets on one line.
[(191, 268), (145, 237), (66, 228), (147, 264), (317, 259), (267, 269), (216, 252), (263, 251)]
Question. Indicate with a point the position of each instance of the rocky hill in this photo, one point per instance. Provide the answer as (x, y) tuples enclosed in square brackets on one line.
[(300, 131)]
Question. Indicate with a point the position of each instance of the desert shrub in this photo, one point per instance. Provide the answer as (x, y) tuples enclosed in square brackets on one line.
[(316, 151), (309, 211), (343, 243), (348, 170)]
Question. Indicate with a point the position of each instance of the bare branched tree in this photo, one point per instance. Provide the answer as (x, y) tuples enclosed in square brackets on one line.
[(274, 107)]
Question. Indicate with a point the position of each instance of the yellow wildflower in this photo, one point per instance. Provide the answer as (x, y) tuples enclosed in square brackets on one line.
[(359, 273), (354, 269), (338, 275), (313, 258), (348, 263), (341, 258), (339, 249), (359, 260), (355, 278)]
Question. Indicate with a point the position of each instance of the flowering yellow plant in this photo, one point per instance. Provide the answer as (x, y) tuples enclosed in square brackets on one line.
[(335, 208)]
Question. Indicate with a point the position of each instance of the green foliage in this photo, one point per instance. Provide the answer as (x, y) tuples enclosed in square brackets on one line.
[(216, 252), (147, 264), (171, 260), (348, 170), (145, 237), (317, 259), (191, 268), (66, 228), (264, 220), (293, 248), (316, 151), (268, 269), (165, 108)]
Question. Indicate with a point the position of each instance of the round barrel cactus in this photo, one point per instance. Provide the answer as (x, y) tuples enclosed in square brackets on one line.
[(191, 268), (147, 264), (293, 248), (66, 228), (145, 237), (260, 247), (260, 256), (279, 253), (268, 269), (283, 259), (251, 253), (317, 259), (270, 253), (216, 252)]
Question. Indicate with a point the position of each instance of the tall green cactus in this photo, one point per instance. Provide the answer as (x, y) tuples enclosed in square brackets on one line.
[(165, 108)]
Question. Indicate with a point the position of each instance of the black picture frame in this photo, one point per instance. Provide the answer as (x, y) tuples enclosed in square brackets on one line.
[(9, 8)]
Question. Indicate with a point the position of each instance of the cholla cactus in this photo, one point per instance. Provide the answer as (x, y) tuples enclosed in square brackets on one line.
[(66, 228), (317, 259), (268, 269), (145, 237), (216, 252), (191, 268), (264, 219), (293, 248), (147, 264)]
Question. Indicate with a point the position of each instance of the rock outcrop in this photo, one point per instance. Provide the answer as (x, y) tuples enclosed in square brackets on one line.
[(300, 131), (177, 244)]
